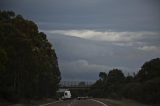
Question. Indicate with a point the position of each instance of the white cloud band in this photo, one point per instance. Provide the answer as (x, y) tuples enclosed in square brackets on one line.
[(106, 35)]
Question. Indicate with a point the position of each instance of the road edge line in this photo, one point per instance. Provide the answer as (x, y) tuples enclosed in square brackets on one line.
[(50, 103), (99, 102)]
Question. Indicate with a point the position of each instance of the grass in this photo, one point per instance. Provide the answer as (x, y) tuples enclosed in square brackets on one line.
[(26, 103), (123, 102)]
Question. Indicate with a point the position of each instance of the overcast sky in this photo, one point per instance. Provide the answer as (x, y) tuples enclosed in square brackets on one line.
[(91, 36)]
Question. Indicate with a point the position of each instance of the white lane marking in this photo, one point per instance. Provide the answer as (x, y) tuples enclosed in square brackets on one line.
[(99, 102), (50, 103)]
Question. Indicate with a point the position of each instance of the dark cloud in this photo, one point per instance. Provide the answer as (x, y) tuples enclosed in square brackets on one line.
[(79, 56), (102, 14), (126, 32)]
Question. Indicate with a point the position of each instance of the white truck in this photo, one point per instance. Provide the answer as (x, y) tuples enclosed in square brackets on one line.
[(63, 94)]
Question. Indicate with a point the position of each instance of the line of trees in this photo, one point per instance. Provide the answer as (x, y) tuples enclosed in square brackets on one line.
[(28, 62), (143, 86)]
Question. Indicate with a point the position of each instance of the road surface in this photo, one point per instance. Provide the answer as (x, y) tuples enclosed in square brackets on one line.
[(75, 102)]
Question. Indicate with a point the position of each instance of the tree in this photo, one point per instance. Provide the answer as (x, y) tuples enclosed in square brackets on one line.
[(3, 60), (115, 76), (149, 70), (103, 75), (129, 79), (97, 89), (28, 63), (149, 77), (109, 85), (143, 86)]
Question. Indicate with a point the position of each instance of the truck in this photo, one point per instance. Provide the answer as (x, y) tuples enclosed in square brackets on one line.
[(63, 94)]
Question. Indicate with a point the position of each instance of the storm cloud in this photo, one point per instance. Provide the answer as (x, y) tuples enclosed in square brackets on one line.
[(91, 36), (78, 55)]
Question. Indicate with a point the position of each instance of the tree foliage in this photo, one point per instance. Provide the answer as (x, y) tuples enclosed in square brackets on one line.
[(108, 85), (149, 70), (28, 63), (143, 87)]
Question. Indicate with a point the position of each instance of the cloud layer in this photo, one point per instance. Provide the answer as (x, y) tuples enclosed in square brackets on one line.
[(95, 35), (80, 56), (111, 36)]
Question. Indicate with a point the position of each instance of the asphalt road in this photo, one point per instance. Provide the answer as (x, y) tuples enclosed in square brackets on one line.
[(75, 102)]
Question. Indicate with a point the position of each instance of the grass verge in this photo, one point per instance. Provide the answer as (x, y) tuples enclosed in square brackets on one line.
[(30, 103), (124, 102)]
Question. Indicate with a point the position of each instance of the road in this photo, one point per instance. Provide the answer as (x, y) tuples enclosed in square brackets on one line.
[(75, 102)]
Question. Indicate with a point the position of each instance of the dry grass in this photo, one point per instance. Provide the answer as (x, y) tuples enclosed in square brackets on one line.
[(30, 103), (123, 102)]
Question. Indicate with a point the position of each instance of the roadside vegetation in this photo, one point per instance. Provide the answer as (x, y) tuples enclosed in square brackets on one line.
[(123, 102), (28, 62), (143, 86)]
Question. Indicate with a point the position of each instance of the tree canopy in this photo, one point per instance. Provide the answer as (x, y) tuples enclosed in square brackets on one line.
[(144, 86), (28, 63), (149, 70)]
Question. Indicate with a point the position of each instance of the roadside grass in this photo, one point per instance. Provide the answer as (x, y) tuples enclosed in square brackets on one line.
[(123, 102), (28, 103)]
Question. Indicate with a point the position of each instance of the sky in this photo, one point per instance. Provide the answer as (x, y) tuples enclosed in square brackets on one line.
[(92, 36)]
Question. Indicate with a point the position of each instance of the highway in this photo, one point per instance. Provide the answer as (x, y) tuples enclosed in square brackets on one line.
[(75, 102)]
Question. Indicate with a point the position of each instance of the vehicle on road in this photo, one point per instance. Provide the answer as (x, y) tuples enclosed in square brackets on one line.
[(63, 94)]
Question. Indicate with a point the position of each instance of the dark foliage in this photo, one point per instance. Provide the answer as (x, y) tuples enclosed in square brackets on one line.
[(143, 87), (28, 64)]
